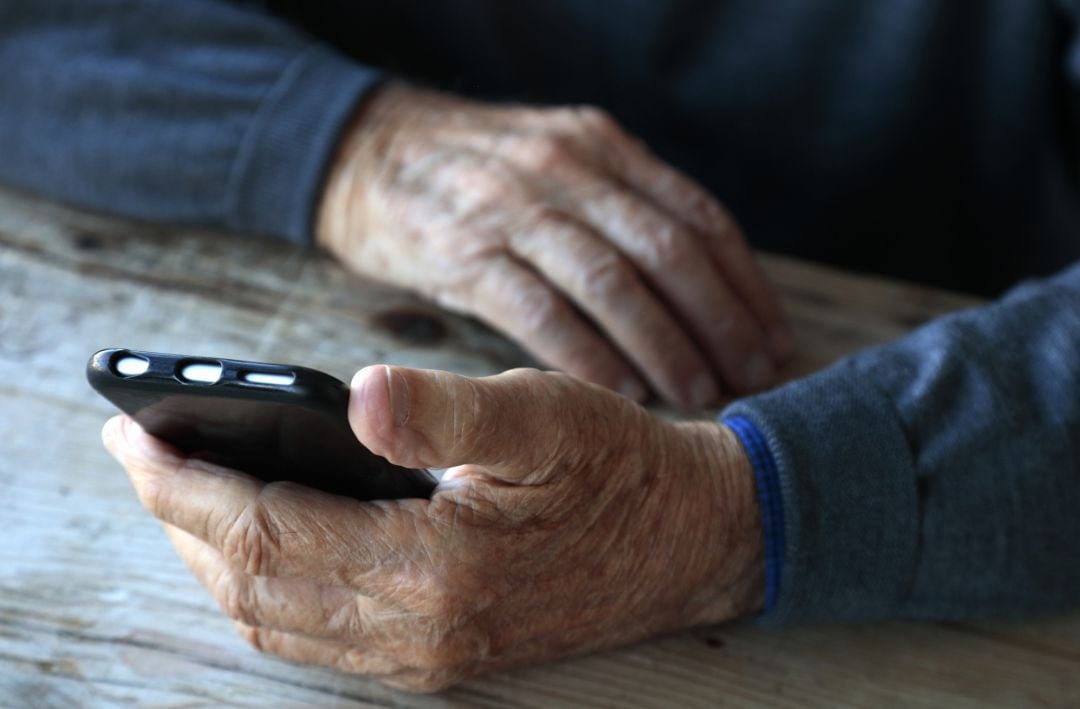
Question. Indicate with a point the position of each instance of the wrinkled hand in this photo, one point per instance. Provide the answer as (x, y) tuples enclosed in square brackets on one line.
[(556, 227), (572, 521)]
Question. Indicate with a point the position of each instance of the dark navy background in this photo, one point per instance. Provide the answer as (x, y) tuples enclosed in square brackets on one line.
[(930, 140)]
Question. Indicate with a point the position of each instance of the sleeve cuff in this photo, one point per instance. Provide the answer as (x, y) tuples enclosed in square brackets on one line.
[(848, 521), (772, 510), (278, 173)]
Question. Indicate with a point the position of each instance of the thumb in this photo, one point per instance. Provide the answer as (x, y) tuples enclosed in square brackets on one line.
[(427, 418)]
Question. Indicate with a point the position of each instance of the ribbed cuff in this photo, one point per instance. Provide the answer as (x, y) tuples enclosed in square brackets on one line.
[(847, 488), (769, 501), (277, 177)]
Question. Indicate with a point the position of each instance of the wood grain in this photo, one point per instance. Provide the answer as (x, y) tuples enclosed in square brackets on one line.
[(95, 608)]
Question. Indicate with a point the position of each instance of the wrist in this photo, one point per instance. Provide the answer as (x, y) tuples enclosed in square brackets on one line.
[(342, 212), (729, 530)]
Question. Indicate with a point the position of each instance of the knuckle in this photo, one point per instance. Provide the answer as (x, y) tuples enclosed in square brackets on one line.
[(251, 540), (451, 636), (555, 380), (236, 600), (427, 682), (441, 651), (252, 636), (433, 657), (360, 660), (153, 496), (540, 307), (562, 389), (528, 377), (152, 489), (606, 276), (436, 638), (726, 233), (478, 187), (444, 608), (356, 625), (668, 248), (725, 327), (548, 151), (538, 224), (475, 418), (545, 217), (599, 120), (355, 660)]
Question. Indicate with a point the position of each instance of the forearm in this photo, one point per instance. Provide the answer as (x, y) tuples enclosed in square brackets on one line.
[(937, 476), (197, 112)]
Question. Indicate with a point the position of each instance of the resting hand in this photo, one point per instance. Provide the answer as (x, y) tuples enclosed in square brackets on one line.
[(556, 227), (569, 520)]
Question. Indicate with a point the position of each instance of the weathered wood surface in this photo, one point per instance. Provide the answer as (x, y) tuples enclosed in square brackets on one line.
[(96, 609)]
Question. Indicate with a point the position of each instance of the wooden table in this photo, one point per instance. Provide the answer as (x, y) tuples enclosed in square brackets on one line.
[(95, 608)]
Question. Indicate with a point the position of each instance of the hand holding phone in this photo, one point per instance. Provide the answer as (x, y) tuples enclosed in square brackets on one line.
[(272, 421), (567, 510)]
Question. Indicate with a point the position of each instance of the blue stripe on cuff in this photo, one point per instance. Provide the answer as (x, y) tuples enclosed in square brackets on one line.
[(772, 510)]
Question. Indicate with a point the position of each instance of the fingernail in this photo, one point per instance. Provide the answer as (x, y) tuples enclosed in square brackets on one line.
[(632, 389), (134, 436), (110, 434), (759, 371), (703, 391), (368, 399), (141, 442), (780, 339), (398, 386)]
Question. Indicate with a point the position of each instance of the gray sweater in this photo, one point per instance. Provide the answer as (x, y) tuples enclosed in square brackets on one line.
[(937, 476), (934, 477)]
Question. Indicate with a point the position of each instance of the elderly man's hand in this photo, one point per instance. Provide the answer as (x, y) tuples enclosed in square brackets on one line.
[(559, 229), (569, 520)]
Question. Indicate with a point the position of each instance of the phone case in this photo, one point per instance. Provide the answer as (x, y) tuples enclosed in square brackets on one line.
[(293, 428)]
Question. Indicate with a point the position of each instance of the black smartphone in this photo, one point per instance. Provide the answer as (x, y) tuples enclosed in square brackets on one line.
[(273, 421)]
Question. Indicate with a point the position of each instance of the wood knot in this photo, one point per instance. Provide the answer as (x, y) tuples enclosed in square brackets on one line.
[(86, 241), (411, 325)]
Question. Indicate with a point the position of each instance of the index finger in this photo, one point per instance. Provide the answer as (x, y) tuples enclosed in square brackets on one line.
[(270, 529), (686, 200), (672, 259)]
